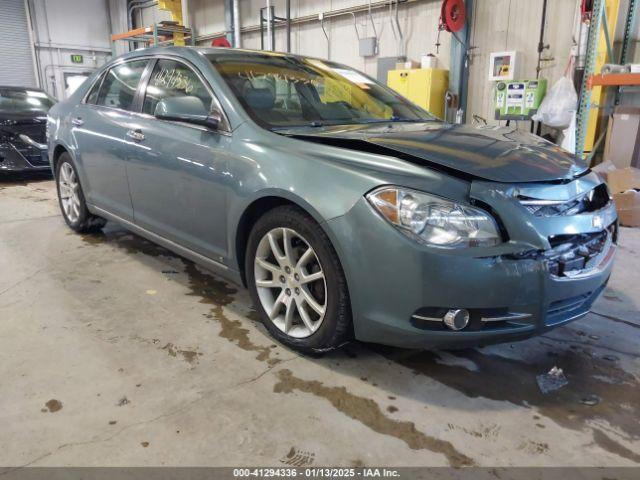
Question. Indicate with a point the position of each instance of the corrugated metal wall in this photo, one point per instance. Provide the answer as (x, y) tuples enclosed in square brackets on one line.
[(16, 57)]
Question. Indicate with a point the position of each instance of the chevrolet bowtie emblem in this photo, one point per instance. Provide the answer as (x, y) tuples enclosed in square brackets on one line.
[(596, 221)]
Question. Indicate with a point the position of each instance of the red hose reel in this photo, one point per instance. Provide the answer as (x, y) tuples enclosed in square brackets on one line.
[(452, 15)]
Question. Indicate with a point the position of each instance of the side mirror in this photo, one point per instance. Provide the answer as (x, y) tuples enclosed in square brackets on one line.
[(189, 110)]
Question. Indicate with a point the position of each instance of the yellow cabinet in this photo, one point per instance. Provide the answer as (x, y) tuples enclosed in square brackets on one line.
[(425, 87)]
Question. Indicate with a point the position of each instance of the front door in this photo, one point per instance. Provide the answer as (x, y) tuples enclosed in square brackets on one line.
[(99, 127), (177, 170)]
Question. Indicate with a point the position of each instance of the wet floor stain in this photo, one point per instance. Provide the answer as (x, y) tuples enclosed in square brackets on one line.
[(53, 406), (209, 289), (368, 412), (531, 447), (189, 356), (298, 458), (513, 380), (607, 443), (24, 179), (233, 331), (490, 431)]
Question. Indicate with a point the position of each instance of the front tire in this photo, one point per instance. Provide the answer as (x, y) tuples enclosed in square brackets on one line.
[(296, 281), (71, 198)]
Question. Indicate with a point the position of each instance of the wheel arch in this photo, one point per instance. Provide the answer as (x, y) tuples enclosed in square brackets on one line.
[(58, 150), (259, 207)]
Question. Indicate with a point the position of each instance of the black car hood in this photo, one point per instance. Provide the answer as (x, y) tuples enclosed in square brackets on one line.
[(489, 153)]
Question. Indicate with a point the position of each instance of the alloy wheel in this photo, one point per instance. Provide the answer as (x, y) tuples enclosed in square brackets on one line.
[(290, 282), (69, 192)]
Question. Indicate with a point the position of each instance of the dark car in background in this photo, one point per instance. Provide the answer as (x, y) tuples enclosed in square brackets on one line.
[(23, 120)]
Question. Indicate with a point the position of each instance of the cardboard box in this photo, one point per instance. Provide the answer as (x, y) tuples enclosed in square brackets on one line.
[(624, 185), (622, 144), (623, 179), (408, 65), (628, 208)]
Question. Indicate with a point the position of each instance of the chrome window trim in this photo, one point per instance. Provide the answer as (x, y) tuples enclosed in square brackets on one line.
[(99, 78)]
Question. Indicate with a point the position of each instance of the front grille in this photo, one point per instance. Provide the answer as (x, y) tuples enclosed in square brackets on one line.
[(10, 140), (572, 255), (587, 202)]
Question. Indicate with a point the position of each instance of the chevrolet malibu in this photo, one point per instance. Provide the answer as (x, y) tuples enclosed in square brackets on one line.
[(347, 211)]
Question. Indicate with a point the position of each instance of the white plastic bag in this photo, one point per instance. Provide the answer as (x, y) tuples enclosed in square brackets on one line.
[(569, 135), (559, 105)]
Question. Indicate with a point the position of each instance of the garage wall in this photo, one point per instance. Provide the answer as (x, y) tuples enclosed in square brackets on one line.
[(62, 28), (501, 25)]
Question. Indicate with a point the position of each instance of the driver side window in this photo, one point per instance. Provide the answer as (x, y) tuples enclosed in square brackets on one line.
[(171, 79)]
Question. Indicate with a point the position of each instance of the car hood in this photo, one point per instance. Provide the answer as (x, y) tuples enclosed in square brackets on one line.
[(490, 153)]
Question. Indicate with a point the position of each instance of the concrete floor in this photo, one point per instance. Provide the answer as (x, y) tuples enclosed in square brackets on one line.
[(116, 352)]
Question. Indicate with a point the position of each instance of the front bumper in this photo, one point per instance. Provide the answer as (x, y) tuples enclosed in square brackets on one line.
[(19, 157), (393, 281)]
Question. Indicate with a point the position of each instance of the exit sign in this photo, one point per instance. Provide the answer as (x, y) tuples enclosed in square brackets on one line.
[(77, 59)]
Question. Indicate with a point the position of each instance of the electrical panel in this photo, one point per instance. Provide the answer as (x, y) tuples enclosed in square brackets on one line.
[(368, 46), (426, 87), (518, 99)]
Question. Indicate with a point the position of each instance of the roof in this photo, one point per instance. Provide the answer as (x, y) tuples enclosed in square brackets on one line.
[(203, 51)]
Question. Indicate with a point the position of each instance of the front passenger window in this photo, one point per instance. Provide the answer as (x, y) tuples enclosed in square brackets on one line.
[(171, 79), (119, 86)]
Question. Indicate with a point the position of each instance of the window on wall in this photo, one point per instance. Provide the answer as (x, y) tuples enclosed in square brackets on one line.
[(119, 86), (171, 79)]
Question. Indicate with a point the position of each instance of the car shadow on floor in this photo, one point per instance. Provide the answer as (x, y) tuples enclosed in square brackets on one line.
[(11, 179)]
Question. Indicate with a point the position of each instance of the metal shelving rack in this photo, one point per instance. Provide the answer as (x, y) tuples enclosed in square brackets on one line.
[(153, 34), (591, 94)]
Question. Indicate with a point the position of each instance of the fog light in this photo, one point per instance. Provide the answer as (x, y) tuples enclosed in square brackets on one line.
[(457, 319)]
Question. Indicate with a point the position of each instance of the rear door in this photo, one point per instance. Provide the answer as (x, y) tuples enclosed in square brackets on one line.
[(177, 171), (99, 125)]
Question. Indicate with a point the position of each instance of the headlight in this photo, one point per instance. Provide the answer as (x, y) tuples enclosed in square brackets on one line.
[(433, 220)]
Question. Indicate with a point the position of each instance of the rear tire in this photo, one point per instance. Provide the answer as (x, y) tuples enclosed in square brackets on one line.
[(71, 198), (296, 281)]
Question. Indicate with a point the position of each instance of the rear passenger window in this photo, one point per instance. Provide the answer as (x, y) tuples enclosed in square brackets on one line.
[(120, 85), (92, 98), (171, 79)]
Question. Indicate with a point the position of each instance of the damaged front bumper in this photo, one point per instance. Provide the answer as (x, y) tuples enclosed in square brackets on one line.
[(22, 153), (549, 271)]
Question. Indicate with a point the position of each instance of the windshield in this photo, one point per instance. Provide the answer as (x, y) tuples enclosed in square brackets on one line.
[(281, 91), (13, 100)]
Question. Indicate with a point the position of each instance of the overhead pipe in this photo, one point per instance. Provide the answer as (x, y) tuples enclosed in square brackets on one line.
[(373, 25), (133, 6), (314, 17), (400, 38), (326, 35), (270, 26), (237, 42), (288, 24), (138, 5)]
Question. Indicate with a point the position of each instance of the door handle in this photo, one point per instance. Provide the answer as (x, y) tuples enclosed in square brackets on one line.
[(136, 135), (78, 121)]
